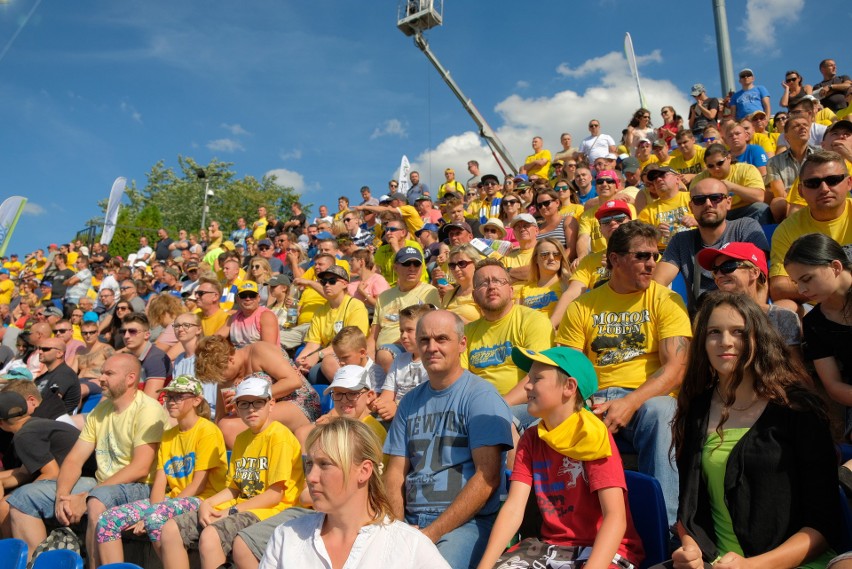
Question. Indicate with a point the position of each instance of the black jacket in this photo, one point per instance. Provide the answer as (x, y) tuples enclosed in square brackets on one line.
[(781, 477)]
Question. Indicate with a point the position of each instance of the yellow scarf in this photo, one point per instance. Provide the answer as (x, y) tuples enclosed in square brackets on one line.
[(582, 436)]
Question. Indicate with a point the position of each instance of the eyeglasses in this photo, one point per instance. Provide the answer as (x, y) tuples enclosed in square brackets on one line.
[(348, 395), (130, 331), (495, 282), (459, 265), (126, 287), (47, 349), (715, 199), (410, 264), (831, 181), (61, 330), (177, 397), (544, 203), (89, 332), (185, 325), (643, 255), (713, 165), (257, 404), (609, 180), (561, 188), (571, 165), (727, 267), (329, 281), (618, 218), (548, 254), (511, 202), (203, 292), (247, 295)]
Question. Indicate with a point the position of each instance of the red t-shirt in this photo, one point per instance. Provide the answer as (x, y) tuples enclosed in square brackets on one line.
[(565, 491)]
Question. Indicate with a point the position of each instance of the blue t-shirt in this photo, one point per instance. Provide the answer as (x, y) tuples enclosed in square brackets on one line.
[(750, 100), (593, 193), (754, 155), (438, 430)]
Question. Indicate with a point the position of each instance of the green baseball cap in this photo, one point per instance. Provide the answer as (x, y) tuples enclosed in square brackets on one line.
[(183, 384), (569, 360)]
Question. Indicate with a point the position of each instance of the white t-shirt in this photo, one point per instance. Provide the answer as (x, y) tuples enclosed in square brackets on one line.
[(596, 146)]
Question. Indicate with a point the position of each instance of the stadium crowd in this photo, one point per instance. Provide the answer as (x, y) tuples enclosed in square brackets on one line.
[(680, 294)]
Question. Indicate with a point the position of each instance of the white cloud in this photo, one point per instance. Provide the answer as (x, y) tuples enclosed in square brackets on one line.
[(235, 129), (32, 208), (762, 22), (522, 84), (287, 178), (612, 99), (392, 127), (129, 109), (225, 145), (295, 154)]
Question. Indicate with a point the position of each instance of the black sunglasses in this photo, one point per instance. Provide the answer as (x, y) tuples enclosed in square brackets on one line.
[(643, 255), (727, 267), (329, 281), (618, 218), (459, 265), (717, 164), (510, 202), (610, 180), (831, 181), (247, 295), (544, 203), (411, 264), (715, 199)]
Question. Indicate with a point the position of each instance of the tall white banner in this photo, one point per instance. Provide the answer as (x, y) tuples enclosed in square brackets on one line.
[(404, 170), (634, 69), (111, 217), (10, 211)]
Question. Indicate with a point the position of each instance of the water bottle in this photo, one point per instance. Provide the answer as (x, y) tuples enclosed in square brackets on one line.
[(293, 311)]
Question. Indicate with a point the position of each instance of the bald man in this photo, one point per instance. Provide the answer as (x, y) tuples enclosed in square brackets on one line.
[(124, 432)]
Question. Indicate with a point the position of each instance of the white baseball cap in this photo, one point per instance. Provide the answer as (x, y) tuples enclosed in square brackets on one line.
[(351, 377), (255, 385)]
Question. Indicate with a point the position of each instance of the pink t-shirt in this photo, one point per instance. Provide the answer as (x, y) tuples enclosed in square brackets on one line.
[(376, 285), (245, 330), (565, 492)]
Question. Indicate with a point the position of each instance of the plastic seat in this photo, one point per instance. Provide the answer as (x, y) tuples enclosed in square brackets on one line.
[(679, 286), (58, 559), (124, 565), (769, 230), (326, 401), (90, 403), (13, 554), (649, 516)]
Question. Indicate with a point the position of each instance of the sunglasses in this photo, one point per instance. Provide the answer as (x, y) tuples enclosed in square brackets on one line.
[(643, 255), (329, 281), (61, 330), (126, 287), (571, 165), (255, 267), (618, 218), (544, 203), (561, 188), (47, 349), (263, 247), (511, 202), (89, 332), (788, 79), (257, 404), (610, 180), (594, 125), (459, 265), (548, 254), (831, 181), (409, 264), (203, 292), (715, 164), (715, 199), (392, 229), (247, 295), (348, 219), (177, 398), (130, 331), (394, 186), (490, 183), (727, 267), (743, 75)]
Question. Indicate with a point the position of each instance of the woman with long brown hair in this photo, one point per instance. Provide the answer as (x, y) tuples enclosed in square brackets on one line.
[(758, 474)]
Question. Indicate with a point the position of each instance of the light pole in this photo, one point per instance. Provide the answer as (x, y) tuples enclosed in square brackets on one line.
[(202, 175)]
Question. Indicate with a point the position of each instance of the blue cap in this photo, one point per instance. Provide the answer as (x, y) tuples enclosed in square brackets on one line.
[(90, 316), (4, 271), (427, 227), (408, 254), (324, 235)]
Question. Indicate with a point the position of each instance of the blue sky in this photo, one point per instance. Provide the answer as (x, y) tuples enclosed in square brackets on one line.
[(329, 95)]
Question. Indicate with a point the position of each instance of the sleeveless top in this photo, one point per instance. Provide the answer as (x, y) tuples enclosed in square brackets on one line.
[(245, 330), (557, 233)]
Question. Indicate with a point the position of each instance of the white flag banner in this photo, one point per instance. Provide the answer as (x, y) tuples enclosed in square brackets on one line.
[(111, 217), (10, 212), (634, 69), (404, 171)]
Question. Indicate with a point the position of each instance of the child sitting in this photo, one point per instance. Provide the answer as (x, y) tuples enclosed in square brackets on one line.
[(406, 371), (350, 348), (579, 478), (264, 478)]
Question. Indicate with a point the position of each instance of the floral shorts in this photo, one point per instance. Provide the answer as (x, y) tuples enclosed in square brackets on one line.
[(154, 516)]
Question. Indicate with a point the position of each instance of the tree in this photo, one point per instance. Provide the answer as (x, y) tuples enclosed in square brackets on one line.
[(174, 200)]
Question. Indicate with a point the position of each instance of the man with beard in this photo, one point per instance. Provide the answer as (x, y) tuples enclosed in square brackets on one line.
[(709, 202)]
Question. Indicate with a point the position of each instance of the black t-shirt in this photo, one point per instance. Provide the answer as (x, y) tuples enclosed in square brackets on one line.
[(63, 382), (161, 249), (41, 440), (58, 280), (298, 229), (836, 100), (701, 122)]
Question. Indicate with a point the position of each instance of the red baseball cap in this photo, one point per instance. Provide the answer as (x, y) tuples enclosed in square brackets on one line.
[(613, 206), (734, 250)]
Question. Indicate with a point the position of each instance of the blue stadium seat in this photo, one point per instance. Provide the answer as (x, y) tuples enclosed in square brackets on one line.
[(845, 453), (768, 230), (326, 402), (13, 554), (58, 559), (679, 286), (90, 403), (649, 516)]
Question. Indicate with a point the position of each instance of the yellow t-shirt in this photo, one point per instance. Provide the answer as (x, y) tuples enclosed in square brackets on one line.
[(116, 435), (329, 321), (311, 300), (14, 268), (518, 258), (209, 324), (391, 301), (741, 174), (412, 219), (539, 298), (383, 260), (259, 229), (261, 460), (825, 117), (591, 270), (621, 333), (71, 258), (801, 223), (7, 287), (541, 171), (692, 166), (464, 306), (588, 225), (489, 345), (765, 141), (794, 196), (184, 453), (455, 186), (574, 210), (670, 212), (650, 160)]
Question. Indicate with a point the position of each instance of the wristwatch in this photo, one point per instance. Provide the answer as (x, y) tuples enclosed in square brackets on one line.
[(233, 510)]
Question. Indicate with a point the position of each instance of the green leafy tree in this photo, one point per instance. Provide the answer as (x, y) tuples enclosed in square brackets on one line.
[(174, 199)]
